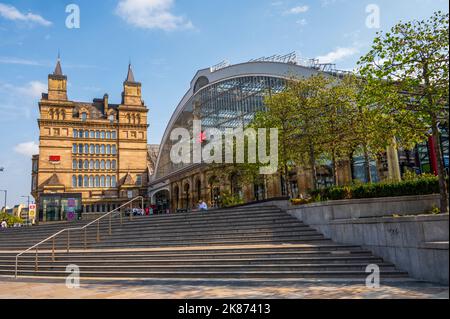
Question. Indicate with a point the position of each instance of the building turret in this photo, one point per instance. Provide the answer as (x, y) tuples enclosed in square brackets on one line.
[(131, 95), (57, 84)]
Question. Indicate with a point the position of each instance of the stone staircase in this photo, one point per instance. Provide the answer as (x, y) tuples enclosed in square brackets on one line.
[(242, 243)]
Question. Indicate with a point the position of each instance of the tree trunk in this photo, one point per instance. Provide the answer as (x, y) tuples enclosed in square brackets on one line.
[(367, 165), (286, 173), (312, 162), (334, 164), (441, 169)]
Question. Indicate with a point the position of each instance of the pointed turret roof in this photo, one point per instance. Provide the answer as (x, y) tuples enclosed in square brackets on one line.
[(58, 69), (53, 181), (130, 75)]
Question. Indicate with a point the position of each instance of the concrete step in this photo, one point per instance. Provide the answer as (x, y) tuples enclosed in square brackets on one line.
[(139, 233), (47, 262), (341, 274)]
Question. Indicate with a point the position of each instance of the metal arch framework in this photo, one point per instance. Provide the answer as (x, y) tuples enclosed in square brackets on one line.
[(254, 68)]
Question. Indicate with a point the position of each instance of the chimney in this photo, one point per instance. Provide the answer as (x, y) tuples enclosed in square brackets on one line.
[(105, 103)]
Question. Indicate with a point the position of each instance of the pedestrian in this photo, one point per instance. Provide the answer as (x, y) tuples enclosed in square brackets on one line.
[(4, 224), (202, 206)]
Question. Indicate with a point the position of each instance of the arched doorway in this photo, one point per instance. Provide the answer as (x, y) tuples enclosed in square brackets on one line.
[(161, 202), (214, 188), (235, 186), (198, 190), (176, 197), (187, 196)]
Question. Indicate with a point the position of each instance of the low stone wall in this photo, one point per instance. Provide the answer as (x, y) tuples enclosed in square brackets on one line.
[(417, 244)]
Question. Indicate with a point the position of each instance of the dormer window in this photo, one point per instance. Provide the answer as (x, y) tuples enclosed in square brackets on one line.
[(84, 116), (111, 118)]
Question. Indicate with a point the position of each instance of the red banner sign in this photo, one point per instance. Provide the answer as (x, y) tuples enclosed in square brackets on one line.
[(55, 158)]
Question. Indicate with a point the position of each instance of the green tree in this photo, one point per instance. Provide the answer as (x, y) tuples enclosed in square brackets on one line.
[(407, 78)]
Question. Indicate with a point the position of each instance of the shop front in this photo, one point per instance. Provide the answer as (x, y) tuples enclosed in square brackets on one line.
[(60, 207)]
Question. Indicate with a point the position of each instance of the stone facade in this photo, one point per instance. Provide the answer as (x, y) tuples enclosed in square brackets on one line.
[(95, 149)]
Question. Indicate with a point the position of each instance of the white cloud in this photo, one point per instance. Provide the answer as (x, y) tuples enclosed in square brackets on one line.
[(12, 60), (298, 10), (337, 55), (27, 149), (11, 13), (151, 14), (19, 101), (302, 22)]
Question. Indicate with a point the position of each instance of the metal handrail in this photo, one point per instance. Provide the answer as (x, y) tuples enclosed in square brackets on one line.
[(77, 228)]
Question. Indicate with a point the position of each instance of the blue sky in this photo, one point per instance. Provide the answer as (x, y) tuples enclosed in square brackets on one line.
[(167, 42)]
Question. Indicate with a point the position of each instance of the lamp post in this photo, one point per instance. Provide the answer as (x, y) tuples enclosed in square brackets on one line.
[(6, 193), (2, 169), (28, 205)]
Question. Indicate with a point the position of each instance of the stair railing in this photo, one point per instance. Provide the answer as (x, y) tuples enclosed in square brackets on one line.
[(84, 228)]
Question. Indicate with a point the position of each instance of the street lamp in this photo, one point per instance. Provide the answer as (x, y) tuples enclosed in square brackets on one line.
[(6, 193), (28, 205)]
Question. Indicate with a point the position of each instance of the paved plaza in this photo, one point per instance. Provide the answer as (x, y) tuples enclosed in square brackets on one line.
[(31, 289)]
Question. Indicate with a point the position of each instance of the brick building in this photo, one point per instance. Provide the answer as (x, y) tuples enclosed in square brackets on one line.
[(92, 155)]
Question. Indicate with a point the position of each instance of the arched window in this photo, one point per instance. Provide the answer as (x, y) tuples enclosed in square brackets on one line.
[(108, 135), (63, 115), (97, 149), (108, 181), (80, 181), (97, 164), (114, 149), (102, 164), (80, 133), (86, 134), (86, 181), (80, 164), (75, 133), (74, 148), (97, 134), (86, 148), (113, 135), (80, 148), (102, 181), (92, 134), (108, 164), (86, 164), (113, 181), (91, 181), (113, 164), (108, 149), (91, 164), (74, 164), (97, 181), (74, 181), (102, 149), (84, 116), (102, 136), (92, 149), (138, 119)]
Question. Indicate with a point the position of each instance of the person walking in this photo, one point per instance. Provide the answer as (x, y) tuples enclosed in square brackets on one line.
[(202, 206), (4, 224)]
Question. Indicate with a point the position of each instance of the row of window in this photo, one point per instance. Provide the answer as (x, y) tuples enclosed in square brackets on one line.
[(94, 149), (80, 164), (91, 181), (95, 134)]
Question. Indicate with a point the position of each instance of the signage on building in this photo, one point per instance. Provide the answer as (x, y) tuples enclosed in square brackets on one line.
[(55, 159), (71, 202), (32, 211)]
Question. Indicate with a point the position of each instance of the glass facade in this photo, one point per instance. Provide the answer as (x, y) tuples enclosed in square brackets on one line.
[(59, 207), (230, 103)]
